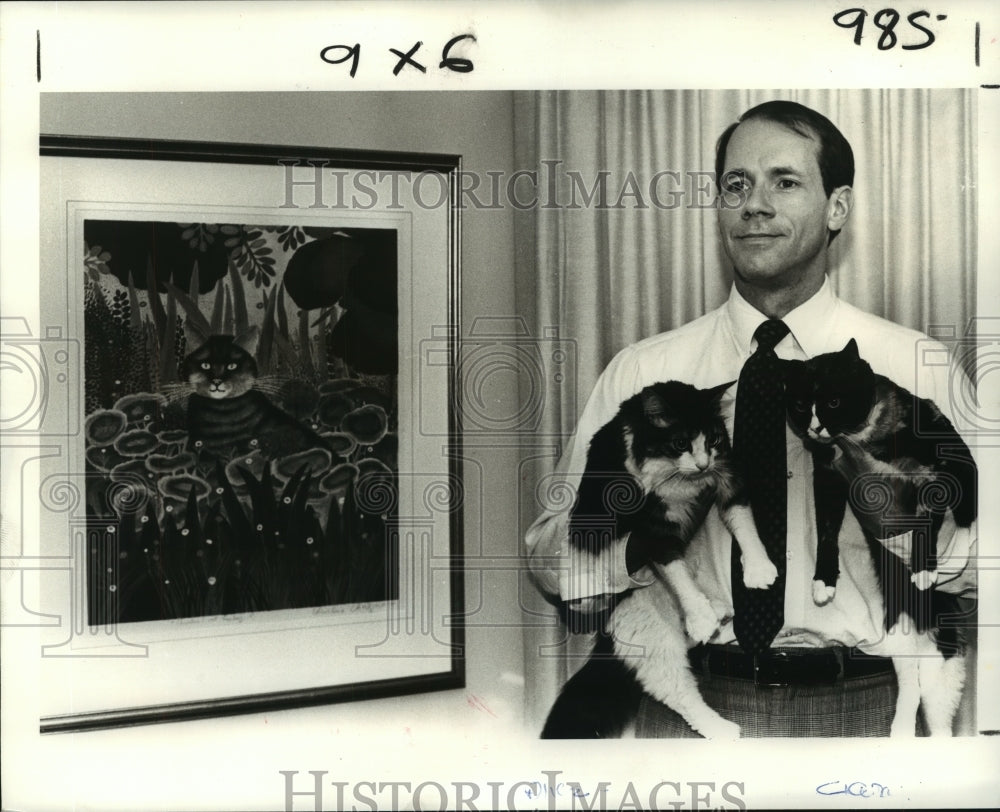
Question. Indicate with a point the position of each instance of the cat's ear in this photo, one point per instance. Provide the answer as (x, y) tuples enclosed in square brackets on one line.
[(851, 350), (654, 407), (247, 340), (194, 334), (716, 393)]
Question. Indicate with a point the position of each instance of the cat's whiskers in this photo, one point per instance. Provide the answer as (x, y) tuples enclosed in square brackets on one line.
[(174, 392), (674, 474), (270, 383)]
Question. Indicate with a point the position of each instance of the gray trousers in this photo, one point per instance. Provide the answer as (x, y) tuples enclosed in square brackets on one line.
[(847, 708)]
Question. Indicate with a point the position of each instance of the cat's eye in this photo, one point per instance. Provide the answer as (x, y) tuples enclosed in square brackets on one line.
[(680, 444), (205, 365), (231, 366), (833, 403)]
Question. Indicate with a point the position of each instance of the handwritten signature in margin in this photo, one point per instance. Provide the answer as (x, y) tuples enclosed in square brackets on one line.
[(856, 789)]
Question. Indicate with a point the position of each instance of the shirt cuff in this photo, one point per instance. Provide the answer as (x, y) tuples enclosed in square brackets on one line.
[(591, 576), (955, 573)]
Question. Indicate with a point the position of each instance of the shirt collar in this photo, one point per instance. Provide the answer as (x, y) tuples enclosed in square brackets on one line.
[(809, 323)]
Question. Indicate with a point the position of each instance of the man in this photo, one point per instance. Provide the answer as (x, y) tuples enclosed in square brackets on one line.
[(785, 175)]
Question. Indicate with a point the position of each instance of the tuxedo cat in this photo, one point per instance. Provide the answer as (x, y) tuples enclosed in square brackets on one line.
[(226, 416), (654, 471), (900, 464)]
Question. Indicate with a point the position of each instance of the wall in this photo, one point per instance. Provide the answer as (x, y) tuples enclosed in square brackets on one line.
[(479, 126)]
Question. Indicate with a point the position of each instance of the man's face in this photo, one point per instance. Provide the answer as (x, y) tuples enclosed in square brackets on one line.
[(777, 237)]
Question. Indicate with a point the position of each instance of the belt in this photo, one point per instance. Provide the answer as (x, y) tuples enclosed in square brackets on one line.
[(779, 667)]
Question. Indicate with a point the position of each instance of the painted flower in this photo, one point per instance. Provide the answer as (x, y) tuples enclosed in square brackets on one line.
[(142, 408), (132, 471), (316, 459), (332, 409), (179, 486), (339, 478), (367, 425), (103, 427), (341, 444), (373, 467), (170, 464), (255, 463), (133, 485), (173, 437), (136, 443)]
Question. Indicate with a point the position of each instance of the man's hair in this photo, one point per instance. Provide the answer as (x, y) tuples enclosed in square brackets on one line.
[(836, 159)]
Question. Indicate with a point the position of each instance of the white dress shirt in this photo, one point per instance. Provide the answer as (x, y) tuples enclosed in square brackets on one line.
[(712, 350)]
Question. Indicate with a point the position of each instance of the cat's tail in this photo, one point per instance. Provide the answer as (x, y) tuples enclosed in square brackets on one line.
[(599, 701)]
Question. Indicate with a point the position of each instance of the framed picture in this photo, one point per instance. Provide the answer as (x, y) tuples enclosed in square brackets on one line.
[(246, 508)]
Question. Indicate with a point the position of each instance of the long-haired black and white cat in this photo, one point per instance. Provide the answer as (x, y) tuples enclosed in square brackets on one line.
[(870, 437), (226, 414), (655, 471)]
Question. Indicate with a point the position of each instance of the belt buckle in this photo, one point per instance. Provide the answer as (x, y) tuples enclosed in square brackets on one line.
[(780, 668)]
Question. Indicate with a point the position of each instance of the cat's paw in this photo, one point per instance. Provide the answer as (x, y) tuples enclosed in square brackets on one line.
[(758, 572), (720, 729), (701, 622), (823, 594), (924, 579)]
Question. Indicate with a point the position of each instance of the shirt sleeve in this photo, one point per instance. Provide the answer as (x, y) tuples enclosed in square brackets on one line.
[(561, 570)]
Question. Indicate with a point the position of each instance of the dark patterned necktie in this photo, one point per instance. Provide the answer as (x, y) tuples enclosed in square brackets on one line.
[(759, 448)]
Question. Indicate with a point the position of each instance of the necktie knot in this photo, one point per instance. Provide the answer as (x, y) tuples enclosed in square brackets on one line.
[(769, 334)]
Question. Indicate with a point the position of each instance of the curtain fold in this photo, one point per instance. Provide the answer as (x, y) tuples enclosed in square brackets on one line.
[(623, 243)]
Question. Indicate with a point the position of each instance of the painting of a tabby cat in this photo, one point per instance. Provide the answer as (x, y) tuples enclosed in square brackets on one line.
[(870, 438), (226, 415), (655, 470)]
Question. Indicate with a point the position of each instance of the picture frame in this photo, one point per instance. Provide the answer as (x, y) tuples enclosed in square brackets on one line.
[(320, 289)]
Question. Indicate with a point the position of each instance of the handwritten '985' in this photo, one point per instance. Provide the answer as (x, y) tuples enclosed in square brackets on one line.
[(887, 21), (911, 34), (856, 789)]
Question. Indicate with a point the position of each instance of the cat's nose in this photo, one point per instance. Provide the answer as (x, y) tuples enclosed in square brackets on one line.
[(701, 461)]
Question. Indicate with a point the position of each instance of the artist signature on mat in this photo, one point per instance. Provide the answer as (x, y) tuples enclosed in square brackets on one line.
[(856, 789)]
